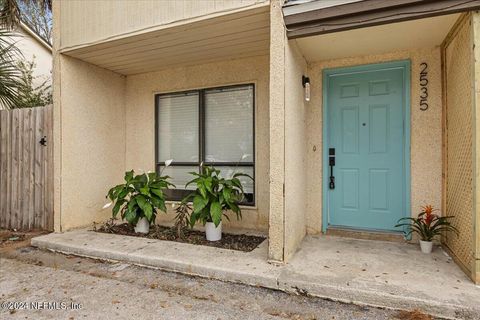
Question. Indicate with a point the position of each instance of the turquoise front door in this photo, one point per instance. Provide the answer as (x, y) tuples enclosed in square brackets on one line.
[(366, 136)]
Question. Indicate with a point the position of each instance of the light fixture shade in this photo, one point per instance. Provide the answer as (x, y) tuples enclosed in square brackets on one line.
[(307, 91), (306, 86)]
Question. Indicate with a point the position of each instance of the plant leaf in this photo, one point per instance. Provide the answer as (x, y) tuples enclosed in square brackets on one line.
[(145, 206), (208, 184), (129, 176), (131, 216), (199, 203), (226, 192), (117, 207), (216, 213), (157, 192)]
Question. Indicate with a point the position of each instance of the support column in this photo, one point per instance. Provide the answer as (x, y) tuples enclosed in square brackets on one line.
[(89, 136), (277, 134), (57, 124)]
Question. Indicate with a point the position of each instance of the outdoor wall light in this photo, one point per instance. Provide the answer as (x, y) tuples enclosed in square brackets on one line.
[(306, 85)]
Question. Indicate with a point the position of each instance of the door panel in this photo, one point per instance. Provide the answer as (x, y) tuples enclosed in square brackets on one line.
[(350, 118), (366, 128), (378, 129), (350, 192)]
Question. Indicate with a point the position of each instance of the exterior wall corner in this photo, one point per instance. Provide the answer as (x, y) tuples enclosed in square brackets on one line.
[(277, 133), (57, 132), (287, 225)]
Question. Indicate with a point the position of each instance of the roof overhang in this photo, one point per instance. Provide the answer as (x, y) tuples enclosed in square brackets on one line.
[(379, 40), (314, 18), (35, 36), (237, 34)]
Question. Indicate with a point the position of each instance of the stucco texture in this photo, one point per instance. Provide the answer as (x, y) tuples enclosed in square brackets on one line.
[(288, 172), (140, 124), (33, 50), (88, 136), (90, 157), (426, 131), (295, 150), (276, 228)]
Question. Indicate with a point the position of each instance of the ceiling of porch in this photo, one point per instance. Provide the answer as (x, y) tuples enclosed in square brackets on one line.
[(422, 33), (229, 36)]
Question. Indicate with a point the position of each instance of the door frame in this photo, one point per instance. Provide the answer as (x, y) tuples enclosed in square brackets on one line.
[(326, 73)]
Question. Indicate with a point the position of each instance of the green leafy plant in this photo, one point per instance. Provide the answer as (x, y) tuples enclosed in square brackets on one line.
[(214, 196), (140, 196), (33, 91), (10, 75), (427, 224), (12, 79)]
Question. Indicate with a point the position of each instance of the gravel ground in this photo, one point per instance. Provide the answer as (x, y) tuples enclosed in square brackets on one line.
[(105, 290)]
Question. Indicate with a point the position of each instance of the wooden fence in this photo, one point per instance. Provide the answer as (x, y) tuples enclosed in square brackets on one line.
[(26, 169)]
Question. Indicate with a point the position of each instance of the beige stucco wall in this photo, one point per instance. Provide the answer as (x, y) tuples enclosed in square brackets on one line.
[(426, 132), (57, 126), (287, 145), (30, 48), (295, 149), (276, 226), (89, 116), (140, 112), (85, 22)]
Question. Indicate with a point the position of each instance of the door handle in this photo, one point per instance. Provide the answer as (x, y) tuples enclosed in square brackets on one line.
[(331, 163)]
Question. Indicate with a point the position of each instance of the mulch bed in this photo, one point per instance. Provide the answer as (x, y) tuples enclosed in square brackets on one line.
[(241, 242)]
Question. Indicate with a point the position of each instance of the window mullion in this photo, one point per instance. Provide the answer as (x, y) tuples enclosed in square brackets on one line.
[(201, 126)]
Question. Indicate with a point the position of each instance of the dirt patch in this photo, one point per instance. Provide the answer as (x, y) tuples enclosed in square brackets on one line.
[(10, 239), (241, 242), (7, 237), (413, 315)]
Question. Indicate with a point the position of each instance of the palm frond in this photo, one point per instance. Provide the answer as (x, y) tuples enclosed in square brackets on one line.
[(10, 75), (9, 14)]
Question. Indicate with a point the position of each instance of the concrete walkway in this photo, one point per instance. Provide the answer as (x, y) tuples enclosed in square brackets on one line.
[(376, 273)]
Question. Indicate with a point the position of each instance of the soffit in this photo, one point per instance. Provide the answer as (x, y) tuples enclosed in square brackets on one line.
[(230, 36)]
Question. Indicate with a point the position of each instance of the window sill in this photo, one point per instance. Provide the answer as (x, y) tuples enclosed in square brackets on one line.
[(242, 207)]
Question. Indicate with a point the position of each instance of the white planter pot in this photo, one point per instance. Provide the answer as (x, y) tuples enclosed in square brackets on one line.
[(426, 246), (143, 226), (213, 233)]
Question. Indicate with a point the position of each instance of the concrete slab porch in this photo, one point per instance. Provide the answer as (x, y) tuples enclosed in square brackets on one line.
[(376, 273)]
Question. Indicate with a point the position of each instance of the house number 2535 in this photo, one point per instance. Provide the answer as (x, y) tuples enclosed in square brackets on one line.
[(423, 86)]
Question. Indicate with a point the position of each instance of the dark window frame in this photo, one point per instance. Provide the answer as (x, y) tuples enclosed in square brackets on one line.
[(179, 194)]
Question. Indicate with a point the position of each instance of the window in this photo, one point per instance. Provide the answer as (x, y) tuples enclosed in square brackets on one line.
[(208, 127)]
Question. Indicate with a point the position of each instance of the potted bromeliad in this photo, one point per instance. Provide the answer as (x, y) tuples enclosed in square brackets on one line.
[(427, 225), (212, 198), (139, 199)]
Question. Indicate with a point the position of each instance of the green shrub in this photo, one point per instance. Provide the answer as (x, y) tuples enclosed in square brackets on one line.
[(214, 196), (140, 196)]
